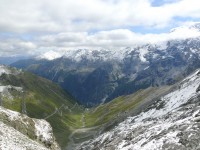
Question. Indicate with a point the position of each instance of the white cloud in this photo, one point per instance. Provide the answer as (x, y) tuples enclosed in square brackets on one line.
[(14, 46), (65, 24), (79, 15), (118, 38), (113, 38)]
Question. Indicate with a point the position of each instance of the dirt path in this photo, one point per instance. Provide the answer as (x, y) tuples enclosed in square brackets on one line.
[(56, 110)]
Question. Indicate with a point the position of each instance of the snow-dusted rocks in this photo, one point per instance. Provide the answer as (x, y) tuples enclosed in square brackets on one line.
[(4, 88), (7, 70), (11, 139), (7, 87), (19, 132), (3, 69), (43, 131), (173, 122)]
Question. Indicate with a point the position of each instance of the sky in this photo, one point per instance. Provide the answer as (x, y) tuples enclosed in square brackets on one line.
[(34, 27)]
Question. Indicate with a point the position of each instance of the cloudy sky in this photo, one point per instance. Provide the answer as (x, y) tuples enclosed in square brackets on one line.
[(33, 27)]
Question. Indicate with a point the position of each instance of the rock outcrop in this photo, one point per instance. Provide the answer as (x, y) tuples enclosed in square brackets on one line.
[(18, 131)]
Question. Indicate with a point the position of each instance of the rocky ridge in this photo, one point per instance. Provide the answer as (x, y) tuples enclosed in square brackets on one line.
[(170, 123), (20, 132)]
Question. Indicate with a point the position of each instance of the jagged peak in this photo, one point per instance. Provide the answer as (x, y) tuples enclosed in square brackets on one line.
[(188, 31)]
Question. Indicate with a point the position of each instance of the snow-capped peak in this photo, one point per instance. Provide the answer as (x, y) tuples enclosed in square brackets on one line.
[(50, 55), (180, 33)]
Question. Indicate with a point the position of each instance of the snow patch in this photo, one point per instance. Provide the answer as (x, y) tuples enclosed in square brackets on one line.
[(11, 139), (4, 69), (12, 115), (143, 52), (43, 130), (7, 87), (187, 89), (157, 127)]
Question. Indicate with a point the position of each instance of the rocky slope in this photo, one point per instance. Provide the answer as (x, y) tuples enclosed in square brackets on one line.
[(96, 76), (20, 132), (39, 98), (172, 122)]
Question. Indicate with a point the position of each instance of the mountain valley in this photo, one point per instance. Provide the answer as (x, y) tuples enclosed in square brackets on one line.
[(141, 97), (100, 75), (172, 122), (97, 76), (39, 98)]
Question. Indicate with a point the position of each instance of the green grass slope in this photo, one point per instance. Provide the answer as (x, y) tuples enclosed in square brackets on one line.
[(104, 117), (72, 124), (40, 98), (122, 106)]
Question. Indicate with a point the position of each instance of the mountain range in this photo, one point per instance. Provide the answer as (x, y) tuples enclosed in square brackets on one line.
[(72, 124), (141, 97), (97, 76)]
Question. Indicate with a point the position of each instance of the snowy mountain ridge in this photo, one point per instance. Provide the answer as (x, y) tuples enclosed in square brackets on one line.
[(179, 33), (20, 132), (170, 123), (114, 72)]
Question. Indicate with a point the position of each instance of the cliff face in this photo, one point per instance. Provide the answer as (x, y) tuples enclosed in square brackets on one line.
[(172, 122), (18, 131)]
